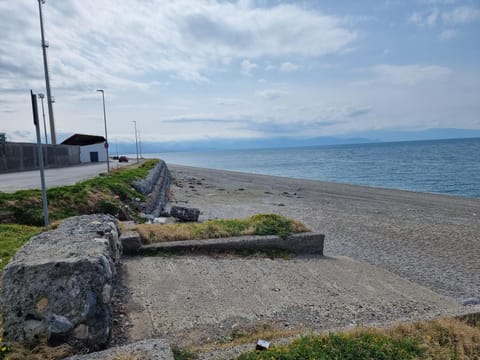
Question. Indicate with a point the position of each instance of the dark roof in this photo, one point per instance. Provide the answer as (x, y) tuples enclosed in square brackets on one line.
[(82, 139)]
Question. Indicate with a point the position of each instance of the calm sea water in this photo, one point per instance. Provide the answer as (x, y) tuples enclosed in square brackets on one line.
[(440, 166)]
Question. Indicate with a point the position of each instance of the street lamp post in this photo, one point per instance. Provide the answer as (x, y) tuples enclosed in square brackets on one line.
[(50, 101), (105, 122), (42, 96), (136, 138)]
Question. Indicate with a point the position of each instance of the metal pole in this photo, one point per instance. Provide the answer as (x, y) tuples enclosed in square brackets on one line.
[(136, 139), (41, 96), (40, 158), (105, 122), (50, 101), (140, 144)]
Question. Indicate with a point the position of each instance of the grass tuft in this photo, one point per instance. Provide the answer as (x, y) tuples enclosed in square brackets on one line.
[(260, 224)]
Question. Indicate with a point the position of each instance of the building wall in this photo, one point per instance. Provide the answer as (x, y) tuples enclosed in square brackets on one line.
[(85, 152), (24, 156)]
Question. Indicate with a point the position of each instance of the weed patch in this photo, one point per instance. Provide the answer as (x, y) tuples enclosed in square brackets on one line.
[(260, 224)]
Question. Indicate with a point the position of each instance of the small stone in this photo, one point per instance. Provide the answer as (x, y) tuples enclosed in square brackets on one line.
[(41, 305), (81, 332)]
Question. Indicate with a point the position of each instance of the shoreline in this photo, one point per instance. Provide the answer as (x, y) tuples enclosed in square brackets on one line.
[(426, 238), (173, 165)]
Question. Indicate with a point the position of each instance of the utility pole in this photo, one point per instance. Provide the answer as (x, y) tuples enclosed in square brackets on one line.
[(136, 139), (50, 101), (140, 144), (105, 122)]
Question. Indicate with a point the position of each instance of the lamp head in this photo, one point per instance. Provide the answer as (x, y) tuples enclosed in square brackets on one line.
[(100, 90), (41, 96)]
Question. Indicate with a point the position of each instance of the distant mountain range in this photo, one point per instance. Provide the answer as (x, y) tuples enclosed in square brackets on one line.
[(277, 142)]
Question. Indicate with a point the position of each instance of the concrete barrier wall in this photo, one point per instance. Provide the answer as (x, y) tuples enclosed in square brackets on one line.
[(60, 284), (24, 156)]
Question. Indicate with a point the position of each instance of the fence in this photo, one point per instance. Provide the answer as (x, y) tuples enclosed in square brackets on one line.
[(24, 156)]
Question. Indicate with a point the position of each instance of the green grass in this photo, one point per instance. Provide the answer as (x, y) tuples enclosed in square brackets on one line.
[(445, 338), (102, 194), (12, 237), (342, 346), (260, 224)]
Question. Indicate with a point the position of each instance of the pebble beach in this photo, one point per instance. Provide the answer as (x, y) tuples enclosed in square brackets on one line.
[(432, 240)]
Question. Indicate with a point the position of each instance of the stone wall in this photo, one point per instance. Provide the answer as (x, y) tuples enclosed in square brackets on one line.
[(155, 187), (24, 156), (60, 284)]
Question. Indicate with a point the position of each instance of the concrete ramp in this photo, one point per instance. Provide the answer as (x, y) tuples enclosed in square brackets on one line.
[(194, 299)]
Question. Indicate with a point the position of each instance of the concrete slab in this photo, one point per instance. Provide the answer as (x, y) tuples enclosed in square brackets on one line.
[(190, 300)]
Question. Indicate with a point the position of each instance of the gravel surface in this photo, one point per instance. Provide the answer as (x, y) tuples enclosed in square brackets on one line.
[(424, 249), (433, 240)]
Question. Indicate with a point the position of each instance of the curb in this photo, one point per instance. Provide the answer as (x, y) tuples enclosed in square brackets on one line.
[(300, 244)]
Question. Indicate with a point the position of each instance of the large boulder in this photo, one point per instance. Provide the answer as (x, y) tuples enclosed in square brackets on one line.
[(59, 285), (184, 213)]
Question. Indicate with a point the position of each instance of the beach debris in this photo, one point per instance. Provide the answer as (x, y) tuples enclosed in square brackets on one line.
[(184, 213), (262, 345), (471, 301), (163, 220)]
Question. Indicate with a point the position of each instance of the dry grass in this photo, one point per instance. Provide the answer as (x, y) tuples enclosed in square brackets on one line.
[(444, 338), (260, 224), (40, 352), (247, 335)]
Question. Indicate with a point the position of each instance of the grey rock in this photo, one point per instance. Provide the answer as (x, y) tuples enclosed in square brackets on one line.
[(62, 279), (152, 349), (184, 213), (131, 241)]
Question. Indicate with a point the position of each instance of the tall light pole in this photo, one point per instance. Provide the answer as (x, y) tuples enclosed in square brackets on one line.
[(105, 122), (140, 144), (42, 96), (50, 101), (136, 139)]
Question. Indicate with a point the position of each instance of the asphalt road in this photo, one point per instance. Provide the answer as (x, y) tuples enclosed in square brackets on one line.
[(12, 182)]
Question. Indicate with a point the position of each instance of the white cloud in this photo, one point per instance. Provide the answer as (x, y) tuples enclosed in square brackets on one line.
[(461, 15), (94, 42), (247, 67), (409, 74), (426, 19), (448, 34), (271, 94), (288, 67), (457, 16)]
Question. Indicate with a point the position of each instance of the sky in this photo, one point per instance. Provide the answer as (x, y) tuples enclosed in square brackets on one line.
[(215, 69)]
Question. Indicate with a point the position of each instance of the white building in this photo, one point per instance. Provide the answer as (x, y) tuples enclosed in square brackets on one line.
[(92, 147)]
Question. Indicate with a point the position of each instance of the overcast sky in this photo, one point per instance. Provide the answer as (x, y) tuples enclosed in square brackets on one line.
[(199, 69)]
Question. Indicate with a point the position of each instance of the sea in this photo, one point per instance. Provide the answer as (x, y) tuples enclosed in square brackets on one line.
[(449, 167)]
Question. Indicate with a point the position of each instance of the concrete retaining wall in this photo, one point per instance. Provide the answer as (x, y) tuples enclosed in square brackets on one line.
[(301, 244), (60, 284), (24, 156), (155, 186)]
